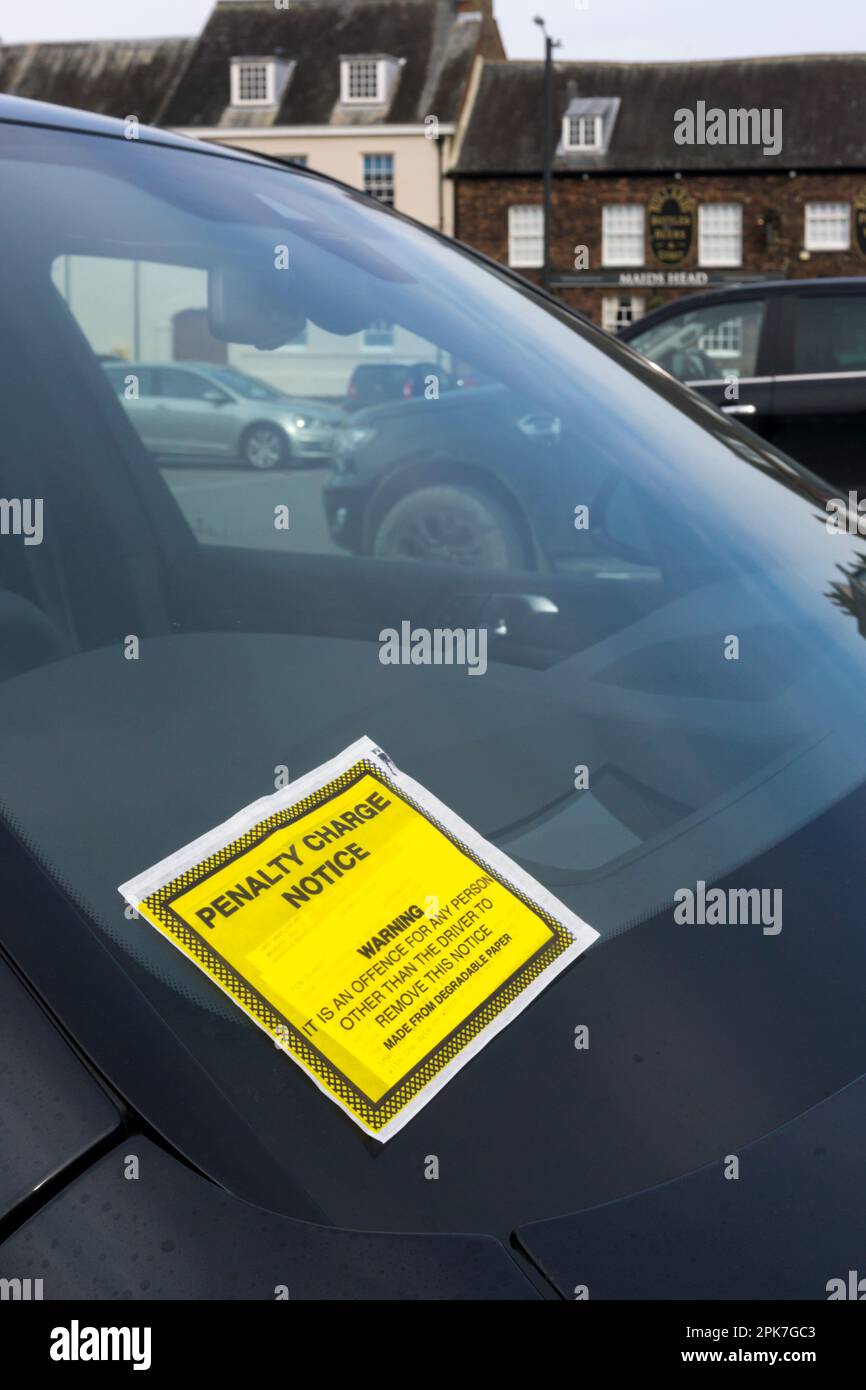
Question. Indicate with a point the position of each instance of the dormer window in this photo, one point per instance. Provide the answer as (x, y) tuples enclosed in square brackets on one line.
[(587, 126), (582, 133), (366, 81), (362, 80), (258, 81)]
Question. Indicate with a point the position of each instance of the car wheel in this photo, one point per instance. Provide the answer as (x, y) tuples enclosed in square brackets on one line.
[(264, 446), (448, 524)]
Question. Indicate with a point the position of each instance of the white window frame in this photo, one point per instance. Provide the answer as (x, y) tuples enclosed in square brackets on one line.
[(518, 257), (725, 340), (379, 328), (816, 216), (346, 66), (708, 255), (612, 304), (268, 66), (369, 184), (611, 254), (581, 122)]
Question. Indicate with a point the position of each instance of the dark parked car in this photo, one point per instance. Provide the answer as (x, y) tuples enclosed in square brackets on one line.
[(460, 480), (371, 383), (673, 702), (797, 349)]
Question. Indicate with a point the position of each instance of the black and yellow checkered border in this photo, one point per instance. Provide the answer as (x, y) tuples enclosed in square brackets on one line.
[(374, 1114)]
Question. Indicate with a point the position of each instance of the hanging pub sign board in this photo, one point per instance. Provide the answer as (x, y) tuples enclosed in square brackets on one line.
[(860, 220), (671, 220), (370, 932)]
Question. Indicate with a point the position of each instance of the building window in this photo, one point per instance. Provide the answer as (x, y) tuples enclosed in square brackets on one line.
[(622, 238), (582, 133), (379, 335), (724, 340), (828, 227), (252, 83), (617, 310), (362, 80), (379, 177), (720, 234), (526, 236)]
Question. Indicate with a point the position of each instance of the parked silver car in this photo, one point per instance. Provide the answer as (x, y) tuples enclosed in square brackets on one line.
[(202, 409)]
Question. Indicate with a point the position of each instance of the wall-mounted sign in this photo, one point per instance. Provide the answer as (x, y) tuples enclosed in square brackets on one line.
[(661, 279), (671, 220), (860, 220)]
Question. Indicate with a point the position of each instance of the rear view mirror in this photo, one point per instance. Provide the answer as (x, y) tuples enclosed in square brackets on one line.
[(243, 308)]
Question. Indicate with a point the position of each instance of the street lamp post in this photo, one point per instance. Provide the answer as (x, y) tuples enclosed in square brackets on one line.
[(549, 45)]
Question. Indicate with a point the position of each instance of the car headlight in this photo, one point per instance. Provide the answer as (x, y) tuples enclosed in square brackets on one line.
[(352, 437)]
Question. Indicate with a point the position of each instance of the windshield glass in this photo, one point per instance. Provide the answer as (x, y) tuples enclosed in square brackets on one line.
[(668, 677)]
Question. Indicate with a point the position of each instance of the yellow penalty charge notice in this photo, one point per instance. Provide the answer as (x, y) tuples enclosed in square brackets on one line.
[(377, 938)]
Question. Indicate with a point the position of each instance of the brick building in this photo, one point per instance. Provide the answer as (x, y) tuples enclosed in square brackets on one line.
[(668, 177)]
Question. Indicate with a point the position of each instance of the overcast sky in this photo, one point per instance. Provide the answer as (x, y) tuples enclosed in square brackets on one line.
[(589, 28)]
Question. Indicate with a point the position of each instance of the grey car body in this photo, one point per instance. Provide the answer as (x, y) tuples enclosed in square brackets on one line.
[(203, 409)]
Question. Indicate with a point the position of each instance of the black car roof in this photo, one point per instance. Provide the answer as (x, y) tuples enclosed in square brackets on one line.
[(726, 294)]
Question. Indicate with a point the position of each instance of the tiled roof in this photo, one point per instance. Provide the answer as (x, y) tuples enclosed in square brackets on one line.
[(113, 78), (434, 44), (504, 135)]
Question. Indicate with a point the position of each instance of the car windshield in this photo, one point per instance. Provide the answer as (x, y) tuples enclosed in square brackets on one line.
[(668, 669)]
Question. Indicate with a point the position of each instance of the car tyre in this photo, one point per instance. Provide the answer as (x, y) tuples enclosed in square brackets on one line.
[(264, 447), (450, 524)]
